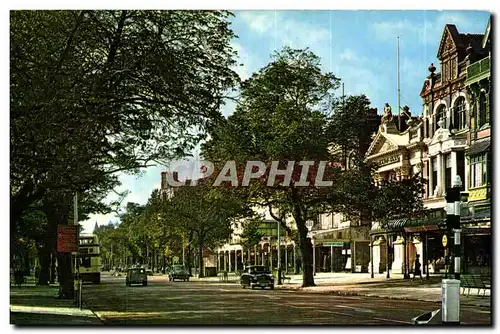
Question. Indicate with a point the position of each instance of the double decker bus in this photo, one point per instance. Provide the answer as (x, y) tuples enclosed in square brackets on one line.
[(90, 258)]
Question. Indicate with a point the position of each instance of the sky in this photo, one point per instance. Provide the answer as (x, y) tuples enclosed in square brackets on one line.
[(360, 47)]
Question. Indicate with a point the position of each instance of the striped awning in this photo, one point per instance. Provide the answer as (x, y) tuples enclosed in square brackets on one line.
[(407, 225), (393, 225)]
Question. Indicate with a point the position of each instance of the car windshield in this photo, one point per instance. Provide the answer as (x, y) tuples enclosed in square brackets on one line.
[(136, 271), (178, 268), (259, 270)]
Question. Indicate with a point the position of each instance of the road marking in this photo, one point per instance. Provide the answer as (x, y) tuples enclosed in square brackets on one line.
[(355, 308), (398, 321)]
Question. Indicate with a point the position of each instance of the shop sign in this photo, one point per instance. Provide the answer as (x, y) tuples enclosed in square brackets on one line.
[(388, 160), (445, 241), (333, 244)]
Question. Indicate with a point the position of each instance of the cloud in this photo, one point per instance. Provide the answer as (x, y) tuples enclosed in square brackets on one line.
[(244, 61), (348, 55), (139, 187), (260, 22), (426, 31)]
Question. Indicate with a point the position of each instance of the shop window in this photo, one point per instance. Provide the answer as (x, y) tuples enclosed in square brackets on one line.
[(478, 171), (459, 113)]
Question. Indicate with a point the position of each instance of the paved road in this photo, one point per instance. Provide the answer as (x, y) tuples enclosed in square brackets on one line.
[(163, 302)]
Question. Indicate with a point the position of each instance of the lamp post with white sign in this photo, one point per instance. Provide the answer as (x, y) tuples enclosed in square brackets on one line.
[(309, 225)]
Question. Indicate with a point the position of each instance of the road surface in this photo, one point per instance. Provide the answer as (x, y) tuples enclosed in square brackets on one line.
[(214, 303)]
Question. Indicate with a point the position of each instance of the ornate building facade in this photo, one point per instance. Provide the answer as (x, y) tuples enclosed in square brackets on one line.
[(398, 154)]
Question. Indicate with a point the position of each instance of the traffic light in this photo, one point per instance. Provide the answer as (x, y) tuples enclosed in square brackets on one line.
[(452, 217)]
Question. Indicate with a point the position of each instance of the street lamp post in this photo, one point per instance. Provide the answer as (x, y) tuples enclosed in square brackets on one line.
[(309, 225), (279, 256)]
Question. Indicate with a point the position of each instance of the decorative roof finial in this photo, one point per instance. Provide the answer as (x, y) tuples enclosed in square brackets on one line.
[(432, 68)]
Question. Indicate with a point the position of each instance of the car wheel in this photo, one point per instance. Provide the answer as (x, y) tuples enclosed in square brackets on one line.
[(243, 286), (187, 279), (145, 283), (271, 287)]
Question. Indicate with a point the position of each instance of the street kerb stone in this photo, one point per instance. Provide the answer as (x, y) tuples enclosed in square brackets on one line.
[(388, 293)]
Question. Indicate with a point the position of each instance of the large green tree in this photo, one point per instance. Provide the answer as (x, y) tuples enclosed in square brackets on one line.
[(96, 92), (283, 116), (206, 213)]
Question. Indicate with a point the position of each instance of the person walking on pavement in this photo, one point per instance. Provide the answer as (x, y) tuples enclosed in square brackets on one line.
[(417, 270)]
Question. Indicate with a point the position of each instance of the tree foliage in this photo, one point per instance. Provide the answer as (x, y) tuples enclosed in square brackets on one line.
[(97, 92)]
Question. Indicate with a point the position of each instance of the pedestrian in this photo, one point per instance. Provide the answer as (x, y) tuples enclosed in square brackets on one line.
[(417, 270)]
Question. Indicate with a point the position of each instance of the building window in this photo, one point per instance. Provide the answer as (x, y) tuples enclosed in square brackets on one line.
[(461, 168), (441, 114), (482, 109), (478, 171), (434, 175), (447, 171), (459, 114)]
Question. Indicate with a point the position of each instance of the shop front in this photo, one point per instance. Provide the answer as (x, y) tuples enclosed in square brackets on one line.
[(344, 249), (396, 243)]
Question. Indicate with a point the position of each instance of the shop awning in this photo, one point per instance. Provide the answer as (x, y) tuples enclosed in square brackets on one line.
[(478, 214), (479, 147), (393, 225), (407, 225), (423, 225)]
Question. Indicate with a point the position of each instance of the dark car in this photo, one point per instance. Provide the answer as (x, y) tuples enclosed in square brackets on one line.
[(259, 276), (136, 276), (178, 271)]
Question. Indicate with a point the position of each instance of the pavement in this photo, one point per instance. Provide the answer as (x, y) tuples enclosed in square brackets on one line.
[(361, 284), (39, 305)]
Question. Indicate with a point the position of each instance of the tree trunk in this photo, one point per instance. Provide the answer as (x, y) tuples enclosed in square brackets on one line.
[(44, 276), (65, 275), (57, 212), (306, 250), (188, 259), (53, 268), (48, 246), (305, 244), (200, 260)]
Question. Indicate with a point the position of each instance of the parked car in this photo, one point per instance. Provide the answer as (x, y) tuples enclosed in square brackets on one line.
[(178, 271), (259, 276), (136, 276)]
